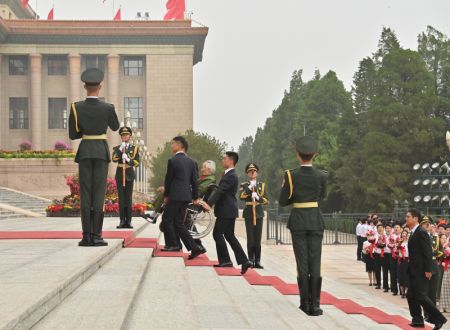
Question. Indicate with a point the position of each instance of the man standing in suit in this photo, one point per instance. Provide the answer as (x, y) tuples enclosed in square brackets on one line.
[(303, 188), (89, 120), (180, 189), (226, 211), (420, 272), (127, 156)]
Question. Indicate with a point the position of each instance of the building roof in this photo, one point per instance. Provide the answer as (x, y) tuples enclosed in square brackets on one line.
[(104, 32)]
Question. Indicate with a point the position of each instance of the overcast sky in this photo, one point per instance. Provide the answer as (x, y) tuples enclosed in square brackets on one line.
[(254, 46)]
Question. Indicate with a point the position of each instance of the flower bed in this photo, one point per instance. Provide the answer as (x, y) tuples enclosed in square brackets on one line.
[(69, 206), (37, 154)]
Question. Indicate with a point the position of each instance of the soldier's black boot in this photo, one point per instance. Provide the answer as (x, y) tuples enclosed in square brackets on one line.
[(258, 258), (251, 255), (128, 214), (122, 224), (303, 287), (315, 289), (97, 239), (86, 227)]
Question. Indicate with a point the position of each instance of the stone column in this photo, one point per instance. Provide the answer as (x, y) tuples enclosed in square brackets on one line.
[(75, 82), (36, 100)]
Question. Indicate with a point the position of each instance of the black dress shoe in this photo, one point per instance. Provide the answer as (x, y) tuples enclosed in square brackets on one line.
[(224, 264), (378, 287), (202, 249), (417, 325), (171, 249), (121, 226), (85, 242), (439, 325), (99, 242), (258, 265), (245, 266), (395, 293), (195, 253), (386, 290)]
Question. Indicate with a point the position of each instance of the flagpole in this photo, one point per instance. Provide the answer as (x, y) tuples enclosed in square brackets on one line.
[(114, 8), (36, 10)]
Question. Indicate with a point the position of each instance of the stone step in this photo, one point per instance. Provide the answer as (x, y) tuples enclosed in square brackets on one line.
[(165, 299), (104, 299), (37, 275)]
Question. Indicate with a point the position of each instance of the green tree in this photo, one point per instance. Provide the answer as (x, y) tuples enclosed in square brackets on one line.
[(201, 147)]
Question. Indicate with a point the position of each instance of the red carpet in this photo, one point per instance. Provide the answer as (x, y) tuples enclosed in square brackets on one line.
[(150, 243), (201, 260)]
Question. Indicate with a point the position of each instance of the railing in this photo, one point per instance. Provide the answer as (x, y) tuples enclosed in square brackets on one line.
[(339, 228)]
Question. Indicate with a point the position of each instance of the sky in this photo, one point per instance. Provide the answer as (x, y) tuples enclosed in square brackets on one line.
[(254, 46)]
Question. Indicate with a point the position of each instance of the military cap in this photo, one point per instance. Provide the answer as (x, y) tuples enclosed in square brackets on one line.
[(251, 167), (425, 220), (92, 76), (125, 130), (306, 145)]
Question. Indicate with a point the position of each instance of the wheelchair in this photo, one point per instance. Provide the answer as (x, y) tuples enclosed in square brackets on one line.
[(198, 222)]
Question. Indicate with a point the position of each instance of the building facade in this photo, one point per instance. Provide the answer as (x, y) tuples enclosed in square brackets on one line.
[(148, 69)]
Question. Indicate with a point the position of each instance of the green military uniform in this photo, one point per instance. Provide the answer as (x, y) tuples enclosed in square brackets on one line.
[(303, 188), (89, 120), (204, 184), (125, 193), (254, 231)]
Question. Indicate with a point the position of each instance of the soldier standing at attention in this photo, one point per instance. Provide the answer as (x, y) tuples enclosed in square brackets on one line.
[(303, 188), (89, 121), (127, 156), (255, 196)]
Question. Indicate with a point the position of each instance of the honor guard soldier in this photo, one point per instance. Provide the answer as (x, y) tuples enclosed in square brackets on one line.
[(254, 194), (89, 121), (127, 157), (303, 188)]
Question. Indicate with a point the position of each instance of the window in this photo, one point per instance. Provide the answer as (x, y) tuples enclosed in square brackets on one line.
[(57, 65), (18, 113), (57, 113), (135, 105), (133, 66), (95, 61), (18, 65)]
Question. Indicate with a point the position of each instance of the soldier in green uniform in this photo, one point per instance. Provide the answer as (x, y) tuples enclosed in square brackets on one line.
[(89, 121), (127, 156), (303, 188), (254, 194)]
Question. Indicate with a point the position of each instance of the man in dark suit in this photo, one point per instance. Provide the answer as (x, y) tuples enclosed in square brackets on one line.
[(303, 188), (89, 120), (180, 189), (127, 157), (420, 272), (226, 211)]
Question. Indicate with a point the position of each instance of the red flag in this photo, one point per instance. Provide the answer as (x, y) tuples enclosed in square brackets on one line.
[(175, 10), (25, 3), (51, 14), (118, 16)]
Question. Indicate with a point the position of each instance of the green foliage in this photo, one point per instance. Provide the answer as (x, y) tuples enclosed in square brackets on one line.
[(395, 115), (201, 147)]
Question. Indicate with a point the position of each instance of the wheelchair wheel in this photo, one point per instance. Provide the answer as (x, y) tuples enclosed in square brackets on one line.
[(198, 222)]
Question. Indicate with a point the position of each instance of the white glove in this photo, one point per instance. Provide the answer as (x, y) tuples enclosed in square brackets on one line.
[(255, 196), (125, 157), (123, 146), (252, 184)]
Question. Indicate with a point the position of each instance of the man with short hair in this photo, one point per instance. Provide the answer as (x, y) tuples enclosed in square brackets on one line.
[(89, 120), (180, 189), (226, 211), (303, 188), (420, 272)]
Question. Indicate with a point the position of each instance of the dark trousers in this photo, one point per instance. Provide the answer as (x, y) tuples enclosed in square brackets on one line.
[(386, 266), (360, 241), (394, 275), (224, 230), (307, 246), (417, 296), (93, 174), (254, 235), (125, 200), (174, 225), (434, 283), (378, 266)]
